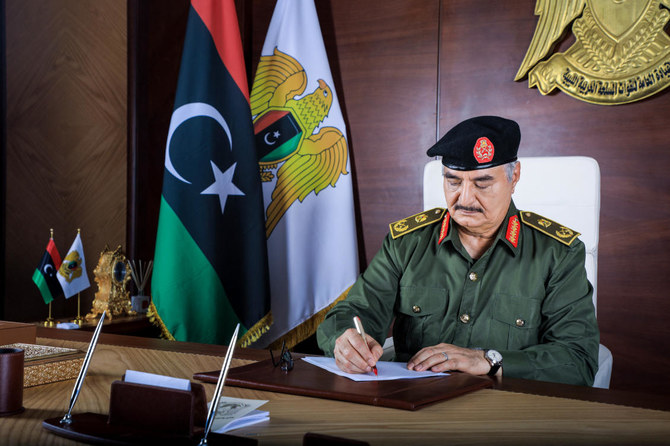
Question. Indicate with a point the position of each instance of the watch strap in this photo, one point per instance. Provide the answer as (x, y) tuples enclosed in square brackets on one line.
[(495, 365)]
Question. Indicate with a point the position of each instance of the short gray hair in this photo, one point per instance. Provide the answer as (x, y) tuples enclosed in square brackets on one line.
[(509, 169)]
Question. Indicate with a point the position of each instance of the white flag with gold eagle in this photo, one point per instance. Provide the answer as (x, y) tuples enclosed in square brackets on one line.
[(72, 272), (304, 162)]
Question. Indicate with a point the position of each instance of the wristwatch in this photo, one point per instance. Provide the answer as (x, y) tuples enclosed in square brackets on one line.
[(495, 359)]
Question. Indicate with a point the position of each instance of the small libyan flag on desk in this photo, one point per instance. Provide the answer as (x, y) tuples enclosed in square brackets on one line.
[(45, 274)]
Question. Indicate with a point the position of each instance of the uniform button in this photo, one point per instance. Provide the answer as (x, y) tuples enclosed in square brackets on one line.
[(473, 276), (520, 322), (416, 309), (465, 318)]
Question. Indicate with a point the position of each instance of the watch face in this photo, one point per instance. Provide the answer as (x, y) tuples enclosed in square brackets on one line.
[(494, 356)]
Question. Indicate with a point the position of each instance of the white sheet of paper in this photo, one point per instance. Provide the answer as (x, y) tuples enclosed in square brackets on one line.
[(387, 370), (234, 413), (152, 379)]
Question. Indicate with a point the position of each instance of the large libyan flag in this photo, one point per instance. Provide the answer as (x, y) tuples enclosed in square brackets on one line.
[(210, 266), (307, 186)]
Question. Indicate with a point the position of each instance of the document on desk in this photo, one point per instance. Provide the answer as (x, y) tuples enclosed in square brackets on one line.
[(387, 370), (234, 413)]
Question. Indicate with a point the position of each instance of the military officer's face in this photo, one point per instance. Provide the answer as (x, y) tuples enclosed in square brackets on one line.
[(478, 199)]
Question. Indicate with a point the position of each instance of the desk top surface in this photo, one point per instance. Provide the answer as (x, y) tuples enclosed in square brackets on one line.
[(488, 416)]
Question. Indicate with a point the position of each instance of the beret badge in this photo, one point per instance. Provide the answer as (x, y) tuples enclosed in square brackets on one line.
[(483, 150)]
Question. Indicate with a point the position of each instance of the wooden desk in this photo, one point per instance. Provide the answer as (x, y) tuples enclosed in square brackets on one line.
[(491, 416)]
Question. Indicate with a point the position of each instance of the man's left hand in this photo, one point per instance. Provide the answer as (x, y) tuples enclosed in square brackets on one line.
[(444, 357)]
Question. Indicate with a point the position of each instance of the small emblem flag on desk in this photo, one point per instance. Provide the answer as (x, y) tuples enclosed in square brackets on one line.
[(72, 271)]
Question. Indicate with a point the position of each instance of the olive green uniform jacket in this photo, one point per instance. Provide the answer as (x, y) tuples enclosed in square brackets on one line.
[(527, 297)]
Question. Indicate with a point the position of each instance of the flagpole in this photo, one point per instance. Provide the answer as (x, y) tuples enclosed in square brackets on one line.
[(50, 322), (79, 320)]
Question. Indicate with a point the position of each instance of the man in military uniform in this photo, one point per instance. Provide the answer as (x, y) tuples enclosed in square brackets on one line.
[(480, 287)]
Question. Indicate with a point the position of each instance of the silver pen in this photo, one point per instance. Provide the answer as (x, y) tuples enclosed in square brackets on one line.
[(219, 387), (67, 419)]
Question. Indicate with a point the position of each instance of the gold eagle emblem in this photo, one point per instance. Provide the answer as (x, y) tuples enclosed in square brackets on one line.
[(70, 269), (621, 51), (285, 126)]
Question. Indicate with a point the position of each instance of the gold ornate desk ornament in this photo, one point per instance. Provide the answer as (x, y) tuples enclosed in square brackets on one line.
[(112, 276)]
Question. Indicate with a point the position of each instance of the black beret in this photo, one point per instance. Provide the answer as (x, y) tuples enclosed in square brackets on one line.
[(479, 143)]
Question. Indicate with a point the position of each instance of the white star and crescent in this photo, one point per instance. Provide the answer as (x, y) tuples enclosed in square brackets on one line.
[(49, 270), (184, 113), (223, 185), (276, 136), (223, 181)]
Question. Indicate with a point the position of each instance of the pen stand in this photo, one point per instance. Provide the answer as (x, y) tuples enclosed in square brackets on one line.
[(158, 409), (141, 415)]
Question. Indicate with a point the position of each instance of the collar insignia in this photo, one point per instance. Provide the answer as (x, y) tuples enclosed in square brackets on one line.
[(513, 227), (444, 230)]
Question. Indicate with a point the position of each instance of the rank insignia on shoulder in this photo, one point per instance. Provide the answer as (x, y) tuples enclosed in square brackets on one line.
[(549, 227), (411, 223)]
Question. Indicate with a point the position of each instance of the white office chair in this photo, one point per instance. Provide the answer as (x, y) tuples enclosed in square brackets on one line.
[(563, 188)]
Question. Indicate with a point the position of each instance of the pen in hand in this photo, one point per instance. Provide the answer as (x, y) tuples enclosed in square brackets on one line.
[(359, 329)]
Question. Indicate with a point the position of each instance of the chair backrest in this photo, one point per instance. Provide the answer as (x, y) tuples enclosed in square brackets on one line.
[(565, 189)]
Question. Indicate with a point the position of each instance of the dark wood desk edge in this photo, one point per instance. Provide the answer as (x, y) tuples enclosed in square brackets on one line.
[(607, 396), (618, 397)]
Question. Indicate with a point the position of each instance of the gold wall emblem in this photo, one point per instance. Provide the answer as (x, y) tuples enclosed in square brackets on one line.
[(621, 53)]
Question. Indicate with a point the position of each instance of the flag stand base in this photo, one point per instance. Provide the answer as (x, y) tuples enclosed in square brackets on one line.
[(79, 320), (49, 322)]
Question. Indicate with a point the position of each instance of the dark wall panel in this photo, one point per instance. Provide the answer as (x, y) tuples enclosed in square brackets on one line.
[(388, 65), (66, 140), (156, 30)]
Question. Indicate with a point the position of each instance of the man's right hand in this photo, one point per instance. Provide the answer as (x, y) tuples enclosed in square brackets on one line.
[(352, 355)]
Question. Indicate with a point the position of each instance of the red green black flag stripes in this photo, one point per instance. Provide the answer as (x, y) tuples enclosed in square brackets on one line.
[(45, 274), (210, 265)]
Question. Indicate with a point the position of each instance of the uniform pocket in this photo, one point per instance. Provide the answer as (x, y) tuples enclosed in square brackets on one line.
[(516, 319), (419, 313)]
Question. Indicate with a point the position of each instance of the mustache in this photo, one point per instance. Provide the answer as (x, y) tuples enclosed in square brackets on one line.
[(459, 207)]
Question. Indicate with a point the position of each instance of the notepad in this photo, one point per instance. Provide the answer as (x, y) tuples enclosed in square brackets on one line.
[(234, 413), (387, 370)]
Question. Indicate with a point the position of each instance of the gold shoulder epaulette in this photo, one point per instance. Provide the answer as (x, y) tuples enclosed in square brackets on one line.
[(549, 227), (409, 224)]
